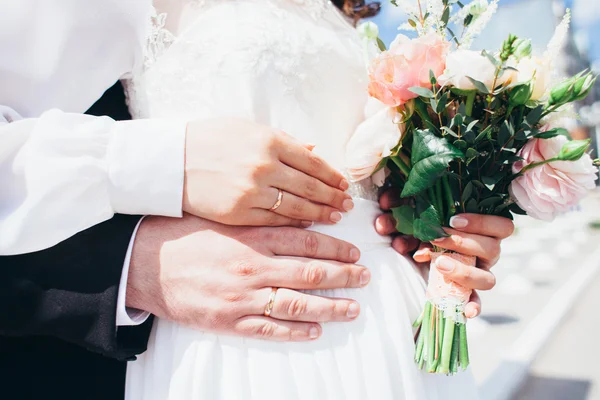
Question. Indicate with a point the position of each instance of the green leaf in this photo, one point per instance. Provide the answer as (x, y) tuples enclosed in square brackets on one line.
[(421, 91), (449, 131), (381, 45), (534, 115), (480, 86), (490, 202), (446, 16), (472, 125), (471, 207), (460, 144), (467, 192), (552, 133), (427, 226), (442, 103), (430, 158), (405, 218), (432, 78), (471, 153), (412, 23), (492, 59), (483, 134)]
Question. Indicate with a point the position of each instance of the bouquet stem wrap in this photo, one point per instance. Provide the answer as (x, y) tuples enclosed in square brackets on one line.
[(441, 345)]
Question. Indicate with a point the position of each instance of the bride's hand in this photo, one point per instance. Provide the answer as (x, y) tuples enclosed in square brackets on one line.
[(234, 170), (471, 234)]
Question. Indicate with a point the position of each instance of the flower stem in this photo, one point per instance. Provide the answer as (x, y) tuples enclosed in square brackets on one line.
[(463, 347), (470, 102), (447, 346), (439, 201), (449, 199), (400, 163), (537, 164), (454, 352)]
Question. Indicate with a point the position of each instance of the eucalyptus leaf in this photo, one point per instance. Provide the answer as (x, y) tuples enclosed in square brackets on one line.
[(534, 115), (430, 158), (467, 192), (472, 125), (381, 45), (553, 133), (483, 134), (421, 91), (479, 85)]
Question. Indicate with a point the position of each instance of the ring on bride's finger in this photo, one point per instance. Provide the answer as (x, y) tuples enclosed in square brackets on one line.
[(278, 201), (271, 302)]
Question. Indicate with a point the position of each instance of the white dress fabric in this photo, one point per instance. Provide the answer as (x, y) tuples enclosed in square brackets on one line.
[(296, 65)]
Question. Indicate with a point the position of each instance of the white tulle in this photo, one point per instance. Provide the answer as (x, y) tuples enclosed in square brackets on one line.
[(296, 65)]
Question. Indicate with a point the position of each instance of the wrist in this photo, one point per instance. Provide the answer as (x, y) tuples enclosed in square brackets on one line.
[(143, 279)]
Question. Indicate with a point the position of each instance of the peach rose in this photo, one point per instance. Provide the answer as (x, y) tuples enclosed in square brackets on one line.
[(406, 64), (373, 140), (550, 189)]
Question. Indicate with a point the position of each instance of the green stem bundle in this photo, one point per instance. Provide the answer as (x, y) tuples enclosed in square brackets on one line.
[(441, 345)]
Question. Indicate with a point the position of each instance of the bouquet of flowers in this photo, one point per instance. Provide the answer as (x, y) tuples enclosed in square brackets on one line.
[(460, 131)]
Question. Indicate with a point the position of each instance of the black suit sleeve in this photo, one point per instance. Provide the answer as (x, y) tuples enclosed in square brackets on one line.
[(70, 291)]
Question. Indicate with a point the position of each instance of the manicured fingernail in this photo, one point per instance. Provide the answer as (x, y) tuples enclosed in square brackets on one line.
[(353, 310), (307, 224), (365, 277), (471, 314), (445, 264), (459, 222), (344, 185), (335, 216), (313, 333), (348, 205), (354, 254), (438, 240)]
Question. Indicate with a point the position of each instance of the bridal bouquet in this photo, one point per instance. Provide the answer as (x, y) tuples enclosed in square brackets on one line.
[(460, 131)]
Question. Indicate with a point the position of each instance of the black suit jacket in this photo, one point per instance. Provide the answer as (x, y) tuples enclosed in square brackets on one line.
[(58, 335)]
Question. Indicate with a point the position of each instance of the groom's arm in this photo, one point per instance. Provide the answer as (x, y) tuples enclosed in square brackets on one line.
[(70, 291)]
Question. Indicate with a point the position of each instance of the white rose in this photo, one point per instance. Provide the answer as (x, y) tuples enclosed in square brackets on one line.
[(462, 64), (373, 140), (533, 69)]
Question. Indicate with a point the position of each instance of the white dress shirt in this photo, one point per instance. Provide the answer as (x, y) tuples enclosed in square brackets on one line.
[(61, 171)]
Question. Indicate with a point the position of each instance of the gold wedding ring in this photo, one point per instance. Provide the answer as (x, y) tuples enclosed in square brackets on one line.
[(279, 200), (271, 302)]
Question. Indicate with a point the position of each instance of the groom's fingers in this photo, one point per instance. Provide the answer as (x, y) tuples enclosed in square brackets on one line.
[(280, 331), (303, 243), (290, 305), (308, 274), (299, 157)]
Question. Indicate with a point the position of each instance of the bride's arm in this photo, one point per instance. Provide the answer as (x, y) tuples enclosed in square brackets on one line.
[(62, 173)]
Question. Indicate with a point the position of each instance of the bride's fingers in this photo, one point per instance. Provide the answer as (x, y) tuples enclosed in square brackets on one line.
[(473, 307), (390, 199), (260, 217), (290, 305), (300, 158), (307, 187), (423, 255), (298, 208), (465, 275), (485, 225), (280, 331), (483, 247)]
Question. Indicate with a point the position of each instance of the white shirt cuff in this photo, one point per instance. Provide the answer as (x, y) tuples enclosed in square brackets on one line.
[(139, 182), (128, 316)]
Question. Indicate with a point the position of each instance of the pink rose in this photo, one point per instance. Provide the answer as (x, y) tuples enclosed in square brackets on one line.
[(550, 189), (406, 64)]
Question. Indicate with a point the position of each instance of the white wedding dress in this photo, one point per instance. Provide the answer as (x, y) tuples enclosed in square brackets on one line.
[(296, 65)]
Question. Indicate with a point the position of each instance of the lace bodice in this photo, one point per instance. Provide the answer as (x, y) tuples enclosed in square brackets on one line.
[(296, 65)]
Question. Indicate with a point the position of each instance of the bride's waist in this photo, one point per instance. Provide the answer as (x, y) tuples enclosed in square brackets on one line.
[(357, 226)]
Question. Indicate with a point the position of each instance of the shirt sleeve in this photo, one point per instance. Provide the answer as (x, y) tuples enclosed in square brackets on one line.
[(128, 316), (62, 173)]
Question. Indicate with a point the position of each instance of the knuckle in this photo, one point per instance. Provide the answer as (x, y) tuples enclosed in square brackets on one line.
[(266, 330), (349, 277), (465, 273), (313, 274), (216, 319), (272, 219), (234, 297), (316, 164), (297, 209), (311, 244), (311, 187), (246, 269), (296, 307)]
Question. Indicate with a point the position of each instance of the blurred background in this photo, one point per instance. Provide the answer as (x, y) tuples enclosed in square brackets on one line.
[(537, 334)]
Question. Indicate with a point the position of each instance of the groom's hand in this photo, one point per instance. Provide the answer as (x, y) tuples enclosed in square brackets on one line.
[(219, 278), (235, 169)]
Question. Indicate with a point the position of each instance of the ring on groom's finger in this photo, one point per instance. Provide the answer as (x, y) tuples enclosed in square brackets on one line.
[(271, 302), (278, 201)]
